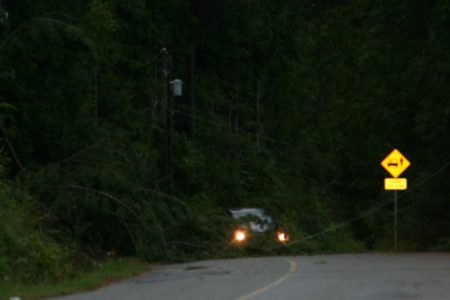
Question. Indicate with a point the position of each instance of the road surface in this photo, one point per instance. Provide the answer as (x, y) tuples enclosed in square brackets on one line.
[(323, 277)]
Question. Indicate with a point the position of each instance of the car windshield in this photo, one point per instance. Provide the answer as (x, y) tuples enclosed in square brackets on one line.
[(250, 212)]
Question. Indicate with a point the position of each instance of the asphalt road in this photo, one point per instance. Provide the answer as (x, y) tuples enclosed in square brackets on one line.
[(324, 277)]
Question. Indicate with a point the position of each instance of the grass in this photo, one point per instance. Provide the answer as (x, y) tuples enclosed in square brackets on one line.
[(108, 272)]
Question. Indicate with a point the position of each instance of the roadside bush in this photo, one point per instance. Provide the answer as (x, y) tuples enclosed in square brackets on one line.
[(443, 245), (27, 253)]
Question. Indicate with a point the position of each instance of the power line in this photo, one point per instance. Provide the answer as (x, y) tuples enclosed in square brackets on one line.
[(378, 206), (373, 209), (421, 182)]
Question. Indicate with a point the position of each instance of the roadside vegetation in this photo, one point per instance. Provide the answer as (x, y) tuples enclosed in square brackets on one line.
[(101, 274), (287, 105)]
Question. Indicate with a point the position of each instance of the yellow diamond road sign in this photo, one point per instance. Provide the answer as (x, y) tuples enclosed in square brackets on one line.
[(395, 163)]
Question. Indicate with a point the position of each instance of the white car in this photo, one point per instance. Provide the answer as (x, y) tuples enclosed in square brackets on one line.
[(255, 225)]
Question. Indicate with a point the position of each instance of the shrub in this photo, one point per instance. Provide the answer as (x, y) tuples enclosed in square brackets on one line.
[(27, 252)]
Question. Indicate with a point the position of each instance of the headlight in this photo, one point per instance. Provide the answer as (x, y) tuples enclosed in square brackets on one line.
[(240, 235), (282, 237)]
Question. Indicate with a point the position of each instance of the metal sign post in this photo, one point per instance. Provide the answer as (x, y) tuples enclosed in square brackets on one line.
[(395, 221)]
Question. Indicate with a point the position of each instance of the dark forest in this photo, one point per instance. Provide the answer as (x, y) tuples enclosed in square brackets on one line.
[(286, 105)]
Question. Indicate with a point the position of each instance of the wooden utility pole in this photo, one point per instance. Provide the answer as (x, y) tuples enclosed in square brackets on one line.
[(166, 116), (258, 115), (192, 124)]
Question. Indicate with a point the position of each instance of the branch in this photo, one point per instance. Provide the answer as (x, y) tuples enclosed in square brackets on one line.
[(91, 46), (130, 233), (103, 194), (26, 26), (77, 154), (174, 200), (189, 244), (11, 148)]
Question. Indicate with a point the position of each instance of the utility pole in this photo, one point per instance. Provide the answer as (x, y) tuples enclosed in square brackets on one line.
[(192, 125), (170, 89), (3, 13), (4, 19), (166, 116), (258, 115)]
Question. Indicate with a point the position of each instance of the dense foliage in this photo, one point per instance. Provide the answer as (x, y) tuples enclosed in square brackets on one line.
[(287, 105)]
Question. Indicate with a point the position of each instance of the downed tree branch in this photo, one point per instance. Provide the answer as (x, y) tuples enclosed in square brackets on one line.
[(174, 199), (75, 155), (11, 148), (197, 246), (103, 194)]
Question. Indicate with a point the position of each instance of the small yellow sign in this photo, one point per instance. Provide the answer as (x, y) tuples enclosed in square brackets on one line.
[(395, 184), (395, 163)]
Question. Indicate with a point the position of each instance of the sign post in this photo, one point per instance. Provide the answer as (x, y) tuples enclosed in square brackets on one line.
[(395, 163), (395, 221)]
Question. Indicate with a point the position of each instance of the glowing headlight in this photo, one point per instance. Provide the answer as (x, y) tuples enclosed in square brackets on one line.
[(240, 235), (282, 237)]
